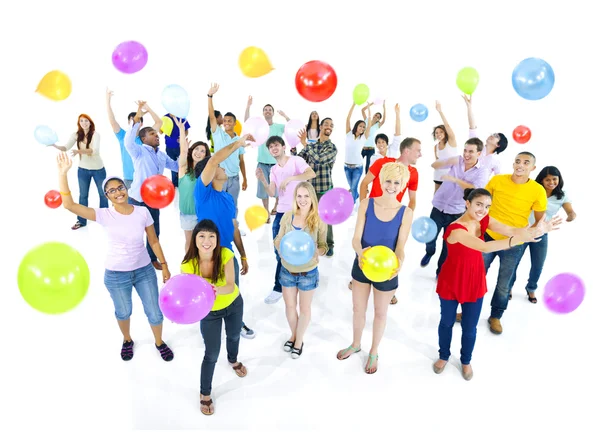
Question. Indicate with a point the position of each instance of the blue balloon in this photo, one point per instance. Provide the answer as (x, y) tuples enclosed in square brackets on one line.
[(533, 79), (45, 135), (297, 247), (419, 112), (176, 101), (424, 229)]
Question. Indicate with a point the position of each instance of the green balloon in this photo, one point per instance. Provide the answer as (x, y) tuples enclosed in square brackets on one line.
[(360, 94), (53, 278), (467, 80)]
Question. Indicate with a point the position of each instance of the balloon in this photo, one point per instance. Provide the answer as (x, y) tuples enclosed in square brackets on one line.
[(254, 62), (297, 247), (533, 79), (316, 81), (53, 199), (256, 216), (167, 125), (157, 191), (379, 264), (258, 128), (55, 85), (45, 135), (378, 101), (130, 57), (53, 278), (176, 101), (419, 112), (186, 298), (564, 293), (237, 128), (360, 94), (521, 134), (292, 127), (424, 229), (467, 80), (336, 206)]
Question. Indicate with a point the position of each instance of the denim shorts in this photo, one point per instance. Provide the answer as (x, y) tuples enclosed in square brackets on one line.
[(384, 286), (188, 222), (261, 193), (304, 281)]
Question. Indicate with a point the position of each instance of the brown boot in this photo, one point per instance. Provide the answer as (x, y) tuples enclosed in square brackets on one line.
[(459, 317), (495, 325)]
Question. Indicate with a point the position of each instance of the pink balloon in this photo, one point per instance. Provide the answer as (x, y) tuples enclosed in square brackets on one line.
[(564, 293), (186, 298), (258, 128), (378, 101), (291, 131), (130, 57), (336, 206)]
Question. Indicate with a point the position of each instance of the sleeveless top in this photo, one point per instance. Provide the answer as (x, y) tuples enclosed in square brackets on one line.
[(447, 152), (380, 233), (187, 184)]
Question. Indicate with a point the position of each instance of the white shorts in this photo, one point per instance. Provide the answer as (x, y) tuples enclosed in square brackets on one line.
[(188, 222)]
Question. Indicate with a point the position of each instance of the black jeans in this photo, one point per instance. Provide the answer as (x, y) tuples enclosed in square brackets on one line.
[(173, 153), (155, 213), (367, 153), (442, 221)]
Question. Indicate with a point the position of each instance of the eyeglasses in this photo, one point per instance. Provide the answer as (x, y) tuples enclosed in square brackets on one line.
[(120, 188)]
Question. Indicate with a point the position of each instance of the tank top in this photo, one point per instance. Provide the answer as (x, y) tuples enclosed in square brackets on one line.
[(380, 233), (187, 205), (447, 152)]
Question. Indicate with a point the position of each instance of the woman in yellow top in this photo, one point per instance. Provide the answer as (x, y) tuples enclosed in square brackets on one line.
[(301, 280), (205, 257)]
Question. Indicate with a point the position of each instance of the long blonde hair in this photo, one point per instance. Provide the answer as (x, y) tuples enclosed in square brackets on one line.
[(312, 220)]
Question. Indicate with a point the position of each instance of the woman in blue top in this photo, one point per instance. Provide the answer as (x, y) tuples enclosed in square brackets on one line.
[(381, 221), (552, 181)]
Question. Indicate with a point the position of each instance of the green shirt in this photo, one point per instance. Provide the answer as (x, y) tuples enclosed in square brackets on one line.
[(186, 194), (264, 157)]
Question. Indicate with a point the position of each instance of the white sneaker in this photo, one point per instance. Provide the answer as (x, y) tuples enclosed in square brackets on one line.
[(242, 232), (273, 297)]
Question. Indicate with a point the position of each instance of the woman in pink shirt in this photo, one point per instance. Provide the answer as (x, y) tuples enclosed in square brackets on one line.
[(127, 263)]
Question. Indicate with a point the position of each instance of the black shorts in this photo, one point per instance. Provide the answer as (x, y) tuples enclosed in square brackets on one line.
[(438, 182), (384, 286)]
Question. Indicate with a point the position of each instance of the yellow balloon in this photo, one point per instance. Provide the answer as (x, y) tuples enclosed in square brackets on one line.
[(55, 85), (254, 62), (380, 263), (167, 126), (256, 216), (237, 128)]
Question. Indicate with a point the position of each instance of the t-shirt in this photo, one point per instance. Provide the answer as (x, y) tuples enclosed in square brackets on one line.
[(171, 141), (126, 245), (264, 157), (553, 207), (413, 181), (512, 203), (294, 166), (232, 163), (370, 142), (125, 157), (354, 148), (221, 301), (218, 207)]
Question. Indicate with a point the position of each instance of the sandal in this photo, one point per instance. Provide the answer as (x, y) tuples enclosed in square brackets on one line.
[(345, 351), (372, 358), (77, 225), (394, 300), (208, 403), (350, 285), (165, 352), (530, 298), (127, 350), (240, 370), (274, 212)]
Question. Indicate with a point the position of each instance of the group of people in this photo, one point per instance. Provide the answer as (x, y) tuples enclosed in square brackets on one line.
[(484, 214)]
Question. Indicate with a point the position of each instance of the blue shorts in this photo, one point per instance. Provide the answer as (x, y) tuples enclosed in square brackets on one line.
[(384, 286), (304, 281)]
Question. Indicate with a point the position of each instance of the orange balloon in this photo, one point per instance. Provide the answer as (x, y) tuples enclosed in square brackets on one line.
[(254, 62), (55, 85), (256, 216), (237, 128)]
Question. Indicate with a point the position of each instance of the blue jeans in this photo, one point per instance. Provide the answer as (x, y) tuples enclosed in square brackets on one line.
[(85, 177), (470, 317), (509, 260), (442, 221), (232, 186), (538, 253), (155, 213), (276, 225), (353, 175), (120, 285), (173, 153), (210, 327)]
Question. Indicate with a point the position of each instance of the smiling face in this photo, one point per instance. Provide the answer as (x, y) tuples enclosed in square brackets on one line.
[(327, 127), (206, 242), (523, 166), (116, 192), (440, 134), (376, 117), (276, 149), (479, 207), (470, 154), (360, 129), (199, 153), (228, 123), (84, 123), (550, 182), (303, 199), (268, 111), (391, 187)]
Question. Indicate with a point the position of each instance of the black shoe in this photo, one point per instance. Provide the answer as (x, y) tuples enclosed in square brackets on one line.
[(165, 352), (296, 353), (288, 346), (425, 260), (329, 252), (127, 350)]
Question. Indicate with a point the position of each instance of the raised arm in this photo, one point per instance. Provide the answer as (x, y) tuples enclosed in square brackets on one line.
[(451, 136), (349, 118), (214, 87), (468, 100), (157, 119), (282, 114), (133, 148), (248, 105), (364, 115), (183, 148), (111, 115), (64, 164), (394, 147), (209, 171), (369, 123), (383, 117)]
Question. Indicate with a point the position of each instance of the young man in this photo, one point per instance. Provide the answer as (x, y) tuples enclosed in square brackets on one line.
[(265, 160), (148, 161), (286, 174), (212, 202), (320, 156), (448, 204), (172, 144)]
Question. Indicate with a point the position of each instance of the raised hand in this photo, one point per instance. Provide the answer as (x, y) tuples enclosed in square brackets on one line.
[(438, 106), (63, 162), (302, 136), (468, 99), (396, 108), (214, 87), (249, 101), (109, 94)]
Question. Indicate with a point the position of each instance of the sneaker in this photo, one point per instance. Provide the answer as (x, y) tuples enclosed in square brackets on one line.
[(296, 353), (273, 297), (329, 253), (247, 332), (425, 260)]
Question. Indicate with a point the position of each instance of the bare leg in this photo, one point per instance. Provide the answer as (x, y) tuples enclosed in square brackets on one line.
[(290, 296), (157, 331), (304, 319), (382, 303), (188, 238), (276, 202), (360, 299), (124, 327), (266, 204), (437, 186)]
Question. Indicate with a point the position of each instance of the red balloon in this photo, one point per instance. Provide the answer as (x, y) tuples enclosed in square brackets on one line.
[(157, 191), (53, 199), (521, 134), (316, 81)]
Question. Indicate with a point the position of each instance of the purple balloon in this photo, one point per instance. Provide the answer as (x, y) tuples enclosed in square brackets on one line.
[(564, 293), (291, 131), (186, 298), (130, 57), (336, 206)]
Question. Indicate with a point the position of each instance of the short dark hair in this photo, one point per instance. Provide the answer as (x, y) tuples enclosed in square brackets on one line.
[(200, 166), (132, 115), (269, 105), (527, 153), (326, 119), (475, 141), (145, 130), (406, 143), (230, 114), (502, 143), (274, 140), (383, 137)]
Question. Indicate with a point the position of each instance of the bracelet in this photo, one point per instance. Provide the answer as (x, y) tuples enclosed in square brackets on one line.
[(209, 95), (165, 264), (509, 241), (244, 258), (65, 194)]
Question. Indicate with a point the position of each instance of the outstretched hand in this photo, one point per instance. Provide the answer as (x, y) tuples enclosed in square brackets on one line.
[(467, 98), (214, 87), (63, 162)]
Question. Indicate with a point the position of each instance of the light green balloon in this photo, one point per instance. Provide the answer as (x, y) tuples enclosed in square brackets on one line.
[(360, 94), (53, 278), (467, 80)]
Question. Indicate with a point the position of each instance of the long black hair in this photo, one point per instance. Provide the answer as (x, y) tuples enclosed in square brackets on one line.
[(208, 132), (206, 225), (470, 194), (552, 171)]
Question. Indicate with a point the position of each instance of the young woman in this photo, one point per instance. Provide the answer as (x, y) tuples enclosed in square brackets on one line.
[(205, 257), (188, 159), (127, 263), (369, 148), (445, 146), (462, 276), (381, 221), (300, 282), (313, 128), (90, 162), (219, 118), (355, 141), (552, 181)]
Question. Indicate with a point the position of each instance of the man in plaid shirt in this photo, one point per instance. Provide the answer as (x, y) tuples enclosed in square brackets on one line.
[(320, 156)]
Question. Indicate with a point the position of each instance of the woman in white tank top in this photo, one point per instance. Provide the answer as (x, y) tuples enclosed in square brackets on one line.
[(445, 147)]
